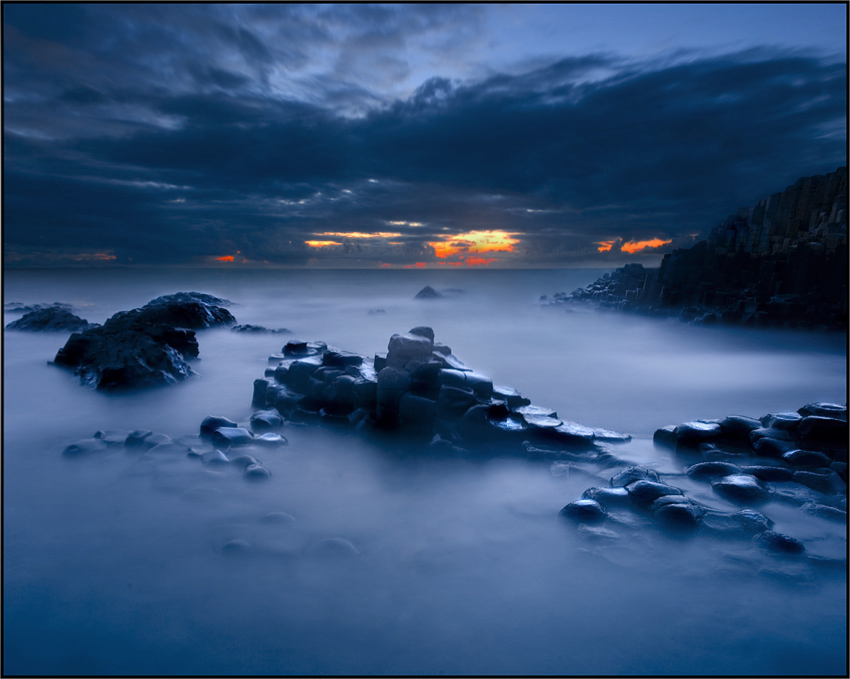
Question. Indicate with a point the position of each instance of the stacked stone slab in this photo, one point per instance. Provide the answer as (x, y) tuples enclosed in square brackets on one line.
[(806, 448), (419, 388)]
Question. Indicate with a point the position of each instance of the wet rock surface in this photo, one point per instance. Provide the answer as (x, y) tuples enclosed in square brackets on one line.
[(419, 390), (149, 346)]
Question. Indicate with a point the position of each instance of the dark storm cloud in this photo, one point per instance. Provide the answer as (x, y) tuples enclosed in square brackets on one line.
[(171, 141)]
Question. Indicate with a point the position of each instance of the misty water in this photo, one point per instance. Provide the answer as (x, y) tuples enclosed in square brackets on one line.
[(115, 563)]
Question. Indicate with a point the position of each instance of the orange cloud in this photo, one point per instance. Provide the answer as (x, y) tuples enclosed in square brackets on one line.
[(357, 234), (419, 265), (605, 245), (94, 257), (480, 261), (636, 246), (474, 242), (321, 243), (226, 258), (384, 265)]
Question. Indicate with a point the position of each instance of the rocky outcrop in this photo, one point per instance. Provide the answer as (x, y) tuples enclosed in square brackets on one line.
[(428, 293), (780, 263), (51, 319), (20, 308), (418, 388), (144, 347)]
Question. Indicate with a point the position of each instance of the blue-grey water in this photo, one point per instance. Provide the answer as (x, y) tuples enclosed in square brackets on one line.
[(114, 564)]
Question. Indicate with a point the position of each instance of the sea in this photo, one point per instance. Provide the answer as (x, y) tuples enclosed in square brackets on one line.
[(118, 563)]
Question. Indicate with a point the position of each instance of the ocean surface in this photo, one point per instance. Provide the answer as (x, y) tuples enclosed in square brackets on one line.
[(118, 563)]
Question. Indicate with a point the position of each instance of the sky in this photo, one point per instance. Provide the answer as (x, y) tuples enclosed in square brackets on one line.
[(369, 136)]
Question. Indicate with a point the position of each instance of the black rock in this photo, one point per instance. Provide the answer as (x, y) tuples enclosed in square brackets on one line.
[(822, 409), (806, 458), (51, 319), (266, 420), (427, 293), (743, 488), (212, 423), (143, 347), (826, 429), (644, 493), (711, 470), (777, 542), (585, 510), (766, 473), (632, 474), (678, 516)]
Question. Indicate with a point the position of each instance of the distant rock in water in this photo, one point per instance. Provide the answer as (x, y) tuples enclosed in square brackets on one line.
[(51, 319), (428, 293), (781, 263), (259, 330), (143, 347), (20, 308)]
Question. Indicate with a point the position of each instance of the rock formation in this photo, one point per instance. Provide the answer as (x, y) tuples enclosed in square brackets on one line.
[(144, 347), (780, 263), (420, 389)]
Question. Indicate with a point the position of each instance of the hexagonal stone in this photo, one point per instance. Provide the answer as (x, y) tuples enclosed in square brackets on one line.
[(703, 470), (777, 542), (743, 488), (587, 511), (695, 432), (632, 474), (644, 493), (806, 458)]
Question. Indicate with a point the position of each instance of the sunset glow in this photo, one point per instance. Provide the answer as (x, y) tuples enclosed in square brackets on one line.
[(605, 245), (474, 242), (636, 246), (480, 261), (321, 243), (226, 258), (356, 234)]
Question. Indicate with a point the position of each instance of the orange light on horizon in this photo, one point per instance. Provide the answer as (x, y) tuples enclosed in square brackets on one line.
[(321, 243), (635, 246), (358, 234), (226, 258), (480, 261), (605, 245), (474, 242), (94, 256)]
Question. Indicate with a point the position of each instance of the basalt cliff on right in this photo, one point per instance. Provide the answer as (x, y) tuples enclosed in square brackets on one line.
[(780, 263)]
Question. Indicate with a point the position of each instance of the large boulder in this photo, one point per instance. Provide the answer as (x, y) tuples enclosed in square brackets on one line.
[(146, 346)]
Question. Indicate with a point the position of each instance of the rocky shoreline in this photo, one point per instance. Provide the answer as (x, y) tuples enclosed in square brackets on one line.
[(733, 469), (780, 263)]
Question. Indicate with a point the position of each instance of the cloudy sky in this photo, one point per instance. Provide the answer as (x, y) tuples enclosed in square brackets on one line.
[(405, 135)]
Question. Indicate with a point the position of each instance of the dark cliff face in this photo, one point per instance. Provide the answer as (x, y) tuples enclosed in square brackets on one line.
[(782, 262), (792, 243)]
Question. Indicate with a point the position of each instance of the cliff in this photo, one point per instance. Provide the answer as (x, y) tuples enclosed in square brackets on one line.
[(782, 262)]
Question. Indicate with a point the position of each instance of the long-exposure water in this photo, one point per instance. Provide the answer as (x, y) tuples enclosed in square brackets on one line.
[(116, 563)]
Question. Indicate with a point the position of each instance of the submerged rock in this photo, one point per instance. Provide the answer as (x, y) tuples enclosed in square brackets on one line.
[(259, 330)]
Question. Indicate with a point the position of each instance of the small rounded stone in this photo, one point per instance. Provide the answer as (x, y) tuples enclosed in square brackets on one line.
[(589, 511)]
